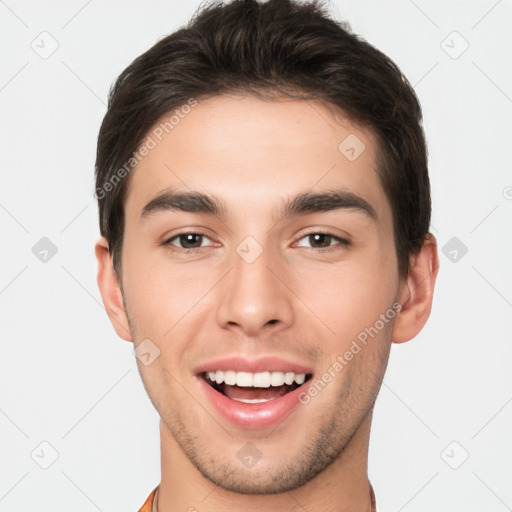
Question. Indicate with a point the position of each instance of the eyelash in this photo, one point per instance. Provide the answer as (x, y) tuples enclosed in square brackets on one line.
[(341, 241)]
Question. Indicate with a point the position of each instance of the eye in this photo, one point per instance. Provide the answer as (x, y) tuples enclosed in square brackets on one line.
[(188, 241), (325, 241), (194, 241)]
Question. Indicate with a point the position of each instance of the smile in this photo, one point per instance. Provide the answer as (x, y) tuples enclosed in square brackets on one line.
[(254, 388), (253, 399)]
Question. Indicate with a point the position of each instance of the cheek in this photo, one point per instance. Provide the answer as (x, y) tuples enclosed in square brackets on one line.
[(159, 295), (350, 297)]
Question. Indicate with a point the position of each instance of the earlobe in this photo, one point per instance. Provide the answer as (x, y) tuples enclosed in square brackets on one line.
[(417, 292), (110, 289)]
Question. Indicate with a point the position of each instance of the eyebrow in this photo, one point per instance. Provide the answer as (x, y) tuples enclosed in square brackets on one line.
[(302, 204)]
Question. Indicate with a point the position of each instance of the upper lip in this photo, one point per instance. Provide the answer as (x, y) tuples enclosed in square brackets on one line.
[(252, 365)]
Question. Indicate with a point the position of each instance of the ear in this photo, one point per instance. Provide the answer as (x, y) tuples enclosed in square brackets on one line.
[(110, 290), (416, 292)]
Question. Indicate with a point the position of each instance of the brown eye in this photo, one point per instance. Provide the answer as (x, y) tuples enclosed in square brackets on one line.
[(320, 240), (191, 241), (187, 241), (326, 241)]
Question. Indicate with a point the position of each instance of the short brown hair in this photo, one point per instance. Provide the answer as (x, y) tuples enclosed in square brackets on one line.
[(272, 49)]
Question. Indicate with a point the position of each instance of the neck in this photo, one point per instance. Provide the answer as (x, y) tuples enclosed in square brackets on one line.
[(342, 487)]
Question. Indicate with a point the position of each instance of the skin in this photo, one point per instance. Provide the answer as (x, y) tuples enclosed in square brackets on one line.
[(295, 301)]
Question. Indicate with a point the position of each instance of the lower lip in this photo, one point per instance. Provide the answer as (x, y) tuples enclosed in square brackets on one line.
[(255, 416)]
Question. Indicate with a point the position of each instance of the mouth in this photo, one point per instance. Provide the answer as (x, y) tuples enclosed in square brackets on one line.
[(254, 388), (253, 393)]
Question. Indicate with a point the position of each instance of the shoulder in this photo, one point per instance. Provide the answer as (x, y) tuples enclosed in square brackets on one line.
[(148, 504)]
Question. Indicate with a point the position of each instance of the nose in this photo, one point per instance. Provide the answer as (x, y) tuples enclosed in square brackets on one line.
[(254, 297)]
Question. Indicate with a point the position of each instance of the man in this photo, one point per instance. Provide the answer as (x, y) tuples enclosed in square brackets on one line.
[(264, 209)]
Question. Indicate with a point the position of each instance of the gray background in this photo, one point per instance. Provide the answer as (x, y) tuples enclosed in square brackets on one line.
[(67, 381)]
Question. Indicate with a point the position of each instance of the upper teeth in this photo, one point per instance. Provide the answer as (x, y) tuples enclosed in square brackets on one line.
[(256, 380)]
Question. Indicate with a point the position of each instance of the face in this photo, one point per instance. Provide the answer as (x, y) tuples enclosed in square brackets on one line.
[(257, 254)]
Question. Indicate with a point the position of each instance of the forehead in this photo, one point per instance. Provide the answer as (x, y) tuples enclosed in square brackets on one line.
[(252, 152)]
